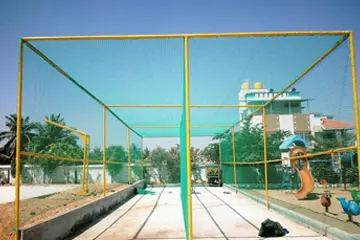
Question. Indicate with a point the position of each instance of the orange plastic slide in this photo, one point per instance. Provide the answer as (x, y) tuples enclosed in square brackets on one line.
[(307, 183)]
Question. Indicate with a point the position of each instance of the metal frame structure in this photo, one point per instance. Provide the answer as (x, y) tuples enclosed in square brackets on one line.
[(27, 42)]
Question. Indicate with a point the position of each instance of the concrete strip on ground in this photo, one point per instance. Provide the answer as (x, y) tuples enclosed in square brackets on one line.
[(256, 213), (67, 223), (142, 221)]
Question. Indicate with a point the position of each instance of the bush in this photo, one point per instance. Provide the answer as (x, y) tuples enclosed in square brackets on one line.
[(323, 171), (349, 175)]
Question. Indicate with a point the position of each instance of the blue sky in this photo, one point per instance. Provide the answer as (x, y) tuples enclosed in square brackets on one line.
[(50, 18)]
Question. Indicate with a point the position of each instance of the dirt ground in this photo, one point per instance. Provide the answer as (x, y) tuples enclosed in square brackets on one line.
[(39, 209), (312, 207)]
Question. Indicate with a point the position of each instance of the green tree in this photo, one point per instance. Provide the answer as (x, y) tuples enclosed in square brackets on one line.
[(196, 161), (146, 153), (136, 157), (324, 171), (55, 141), (211, 153), (324, 141), (159, 159), (249, 147), (9, 136), (96, 154), (117, 155), (350, 176), (173, 164)]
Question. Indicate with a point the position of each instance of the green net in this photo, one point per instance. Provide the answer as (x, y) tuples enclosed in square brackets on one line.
[(184, 170), (318, 108), (116, 151)]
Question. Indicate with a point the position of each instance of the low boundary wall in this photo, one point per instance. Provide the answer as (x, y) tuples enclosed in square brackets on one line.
[(65, 224)]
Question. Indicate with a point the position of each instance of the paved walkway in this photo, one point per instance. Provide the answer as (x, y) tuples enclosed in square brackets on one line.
[(216, 215)]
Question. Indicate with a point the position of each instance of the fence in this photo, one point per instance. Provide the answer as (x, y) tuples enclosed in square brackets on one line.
[(63, 125)]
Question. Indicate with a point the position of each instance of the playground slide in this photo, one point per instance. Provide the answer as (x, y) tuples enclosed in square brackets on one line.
[(307, 183)]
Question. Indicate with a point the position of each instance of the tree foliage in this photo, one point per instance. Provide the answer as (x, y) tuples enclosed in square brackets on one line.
[(9, 136)]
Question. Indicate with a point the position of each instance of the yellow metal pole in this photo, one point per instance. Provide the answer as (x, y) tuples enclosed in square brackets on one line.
[(214, 126), (234, 156), (87, 163), (180, 106), (66, 75), (338, 150), (265, 157), (104, 151), (84, 163), (129, 156), (38, 155), (188, 140), (86, 139), (190, 35), (356, 100), (18, 139), (64, 127), (307, 70)]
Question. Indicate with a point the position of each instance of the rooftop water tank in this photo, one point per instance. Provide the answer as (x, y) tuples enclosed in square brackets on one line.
[(245, 85), (258, 85)]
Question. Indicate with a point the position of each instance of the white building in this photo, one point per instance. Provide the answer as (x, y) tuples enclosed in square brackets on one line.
[(286, 113)]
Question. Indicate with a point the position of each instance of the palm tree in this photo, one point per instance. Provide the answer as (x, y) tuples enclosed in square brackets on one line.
[(339, 139), (9, 135), (49, 134), (146, 154), (4, 158)]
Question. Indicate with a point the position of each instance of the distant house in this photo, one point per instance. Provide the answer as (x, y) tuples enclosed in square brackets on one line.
[(286, 113)]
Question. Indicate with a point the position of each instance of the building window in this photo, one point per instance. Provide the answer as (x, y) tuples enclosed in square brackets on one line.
[(292, 105)]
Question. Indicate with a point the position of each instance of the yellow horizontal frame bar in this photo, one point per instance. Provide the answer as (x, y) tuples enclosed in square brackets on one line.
[(65, 127), (180, 106), (178, 136), (190, 35), (297, 157), (39, 155), (215, 126), (66, 75)]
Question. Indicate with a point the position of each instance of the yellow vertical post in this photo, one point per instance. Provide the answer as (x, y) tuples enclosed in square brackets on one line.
[(87, 163), (234, 156), (188, 143), (265, 157), (104, 151), (18, 139), (84, 163), (356, 100), (129, 156)]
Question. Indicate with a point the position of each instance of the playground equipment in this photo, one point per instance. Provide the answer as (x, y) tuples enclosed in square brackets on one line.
[(351, 207), (307, 181), (326, 200)]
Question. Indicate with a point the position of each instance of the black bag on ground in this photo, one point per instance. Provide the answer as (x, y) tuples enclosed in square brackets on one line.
[(270, 228)]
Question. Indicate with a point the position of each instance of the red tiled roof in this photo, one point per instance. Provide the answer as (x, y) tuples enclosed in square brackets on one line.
[(333, 124)]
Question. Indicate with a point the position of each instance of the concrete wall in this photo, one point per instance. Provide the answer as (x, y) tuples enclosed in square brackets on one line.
[(71, 174), (66, 224)]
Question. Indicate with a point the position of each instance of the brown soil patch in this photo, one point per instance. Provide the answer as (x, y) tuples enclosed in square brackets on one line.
[(39, 209), (311, 206)]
